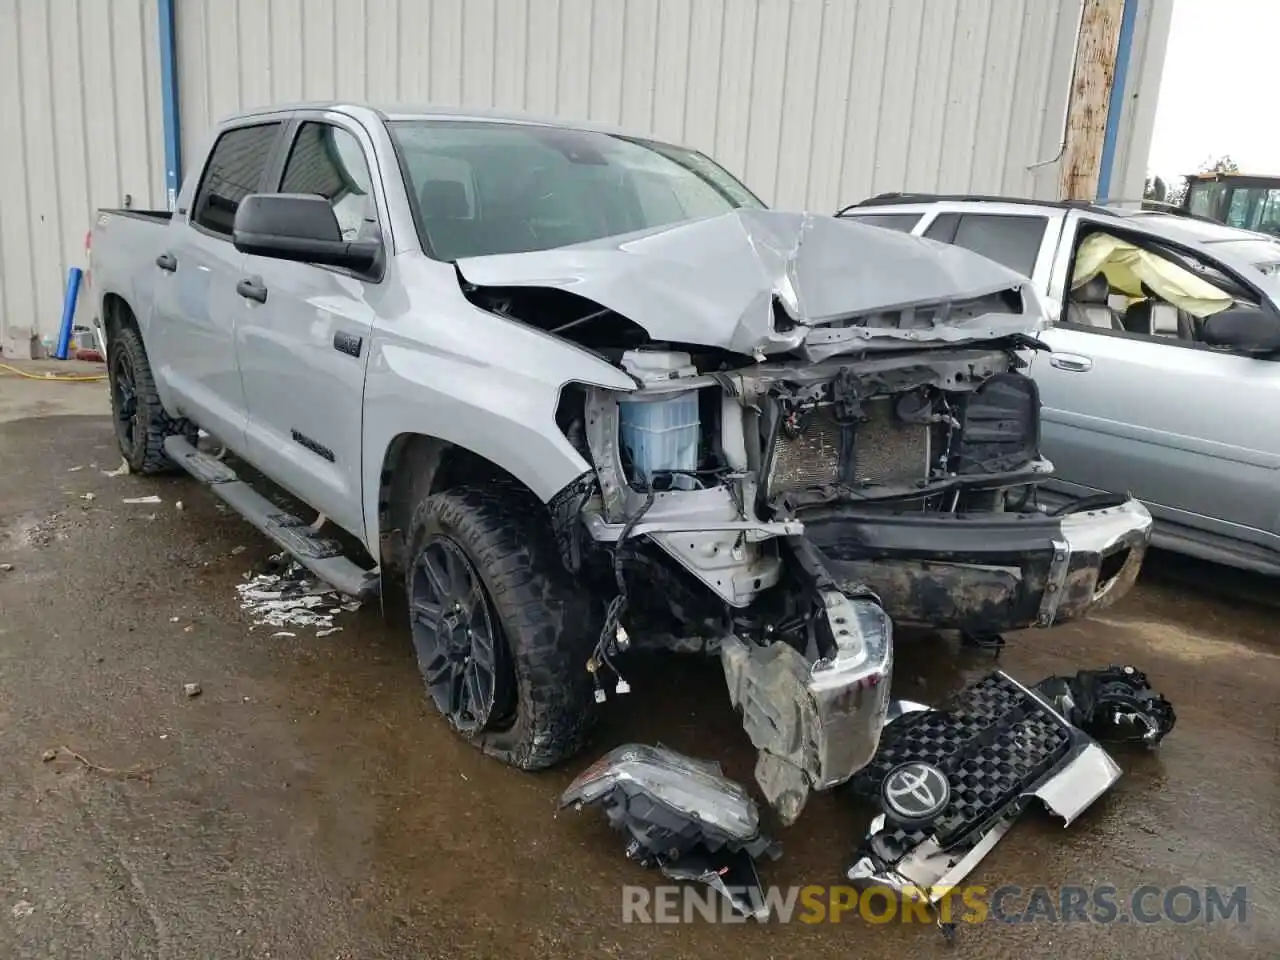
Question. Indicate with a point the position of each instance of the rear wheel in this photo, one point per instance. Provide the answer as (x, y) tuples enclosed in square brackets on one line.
[(501, 631), (140, 421)]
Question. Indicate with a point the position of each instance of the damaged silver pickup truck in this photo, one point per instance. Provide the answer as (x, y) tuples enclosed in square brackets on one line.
[(589, 395)]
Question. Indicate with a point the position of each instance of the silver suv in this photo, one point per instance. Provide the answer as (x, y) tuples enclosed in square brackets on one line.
[(1164, 375)]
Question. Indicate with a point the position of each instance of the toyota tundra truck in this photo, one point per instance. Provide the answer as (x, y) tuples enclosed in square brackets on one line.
[(583, 393)]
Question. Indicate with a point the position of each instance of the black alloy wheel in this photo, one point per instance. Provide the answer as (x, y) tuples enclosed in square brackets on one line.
[(456, 637)]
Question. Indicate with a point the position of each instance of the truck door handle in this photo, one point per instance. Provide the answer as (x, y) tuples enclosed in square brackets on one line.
[(167, 261), (1070, 361), (252, 288)]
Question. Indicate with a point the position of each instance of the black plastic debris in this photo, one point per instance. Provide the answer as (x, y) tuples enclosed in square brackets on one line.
[(681, 815), (1115, 704)]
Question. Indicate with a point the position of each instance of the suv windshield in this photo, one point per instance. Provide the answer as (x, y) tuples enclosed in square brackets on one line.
[(481, 188)]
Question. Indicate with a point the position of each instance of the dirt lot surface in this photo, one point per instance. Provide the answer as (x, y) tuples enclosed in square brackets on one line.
[(309, 803)]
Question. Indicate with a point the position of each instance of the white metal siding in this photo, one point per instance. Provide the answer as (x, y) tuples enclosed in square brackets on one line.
[(814, 103), (80, 112)]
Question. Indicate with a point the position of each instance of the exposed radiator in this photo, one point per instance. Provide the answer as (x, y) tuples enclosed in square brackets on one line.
[(883, 450)]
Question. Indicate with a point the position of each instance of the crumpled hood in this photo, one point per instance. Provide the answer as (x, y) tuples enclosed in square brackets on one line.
[(713, 282)]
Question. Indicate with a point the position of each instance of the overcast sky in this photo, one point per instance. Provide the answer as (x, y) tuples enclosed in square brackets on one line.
[(1219, 87)]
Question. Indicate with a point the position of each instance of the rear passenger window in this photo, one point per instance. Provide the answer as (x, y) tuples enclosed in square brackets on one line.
[(233, 172), (328, 161), (1011, 240), (902, 222)]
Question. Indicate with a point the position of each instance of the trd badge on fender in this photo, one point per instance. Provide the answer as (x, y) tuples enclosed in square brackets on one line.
[(347, 343)]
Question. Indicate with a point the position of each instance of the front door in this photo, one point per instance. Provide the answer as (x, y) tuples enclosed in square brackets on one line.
[(303, 348), (1144, 407), (192, 338)]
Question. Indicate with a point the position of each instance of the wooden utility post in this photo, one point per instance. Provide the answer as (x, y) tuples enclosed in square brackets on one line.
[(1095, 71)]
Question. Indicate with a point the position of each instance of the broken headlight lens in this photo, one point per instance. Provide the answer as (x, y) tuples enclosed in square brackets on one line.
[(690, 787)]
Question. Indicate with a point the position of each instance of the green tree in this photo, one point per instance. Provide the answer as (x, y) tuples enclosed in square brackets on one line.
[(1222, 164)]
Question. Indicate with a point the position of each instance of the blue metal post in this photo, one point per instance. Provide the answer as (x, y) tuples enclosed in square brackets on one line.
[(1115, 104), (68, 312), (169, 100)]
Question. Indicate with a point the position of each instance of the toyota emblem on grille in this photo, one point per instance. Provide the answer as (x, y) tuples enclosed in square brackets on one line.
[(915, 792)]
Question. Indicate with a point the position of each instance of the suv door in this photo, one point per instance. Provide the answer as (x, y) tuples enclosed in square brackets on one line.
[(303, 346), (196, 307), (1192, 431)]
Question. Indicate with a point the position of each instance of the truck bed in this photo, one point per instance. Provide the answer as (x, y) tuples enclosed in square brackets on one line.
[(164, 216)]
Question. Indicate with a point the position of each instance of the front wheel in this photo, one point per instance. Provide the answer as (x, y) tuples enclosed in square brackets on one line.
[(501, 631)]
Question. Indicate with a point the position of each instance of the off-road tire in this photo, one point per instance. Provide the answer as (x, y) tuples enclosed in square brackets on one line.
[(548, 626), (146, 454)]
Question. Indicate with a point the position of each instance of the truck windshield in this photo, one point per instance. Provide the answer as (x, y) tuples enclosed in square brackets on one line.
[(482, 188)]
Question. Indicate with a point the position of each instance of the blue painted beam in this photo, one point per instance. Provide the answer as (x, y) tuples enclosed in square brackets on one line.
[(169, 101), (1115, 104)]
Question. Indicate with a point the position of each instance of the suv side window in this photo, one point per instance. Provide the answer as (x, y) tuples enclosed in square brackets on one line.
[(234, 171), (328, 161), (903, 222), (1008, 239)]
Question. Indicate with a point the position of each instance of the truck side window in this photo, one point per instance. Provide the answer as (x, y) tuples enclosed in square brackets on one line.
[(327, 161), (1008, 239), (234, 171)]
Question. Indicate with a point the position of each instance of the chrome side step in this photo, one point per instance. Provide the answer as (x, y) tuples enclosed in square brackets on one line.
[(321, 555)]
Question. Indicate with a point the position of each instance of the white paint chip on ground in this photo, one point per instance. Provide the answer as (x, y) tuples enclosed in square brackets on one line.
[(293, 598), (23, 908), (151, 499)]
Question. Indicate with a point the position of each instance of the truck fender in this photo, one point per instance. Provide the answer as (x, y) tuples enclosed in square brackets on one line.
[(502, 413)]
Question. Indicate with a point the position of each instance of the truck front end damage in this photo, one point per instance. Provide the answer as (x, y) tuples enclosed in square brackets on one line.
[(809, 505), (837, 436)]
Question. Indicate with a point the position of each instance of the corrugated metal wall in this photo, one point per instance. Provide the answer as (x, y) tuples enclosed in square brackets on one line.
[(80, 115), (815, 103)]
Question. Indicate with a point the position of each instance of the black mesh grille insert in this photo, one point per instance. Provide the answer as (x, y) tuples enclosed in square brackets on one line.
[(991, 740)]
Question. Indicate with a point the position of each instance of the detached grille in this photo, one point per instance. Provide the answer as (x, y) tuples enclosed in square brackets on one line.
[(881, 450), (991, 740)]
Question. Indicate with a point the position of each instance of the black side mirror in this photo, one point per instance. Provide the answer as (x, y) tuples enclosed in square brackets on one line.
[(1244, 328), (296, 226)]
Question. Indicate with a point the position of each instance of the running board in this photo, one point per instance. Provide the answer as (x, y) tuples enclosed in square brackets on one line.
[(321, 555)]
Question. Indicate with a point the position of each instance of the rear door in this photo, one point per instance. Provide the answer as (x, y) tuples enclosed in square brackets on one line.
[(1022, 238), (303, 347), (196, 305), (1193, 432)]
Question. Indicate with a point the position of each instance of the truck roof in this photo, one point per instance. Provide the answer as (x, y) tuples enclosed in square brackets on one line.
[(390, 111)]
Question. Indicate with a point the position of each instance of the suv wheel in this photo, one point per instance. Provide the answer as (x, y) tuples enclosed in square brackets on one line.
[(501, 631)]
